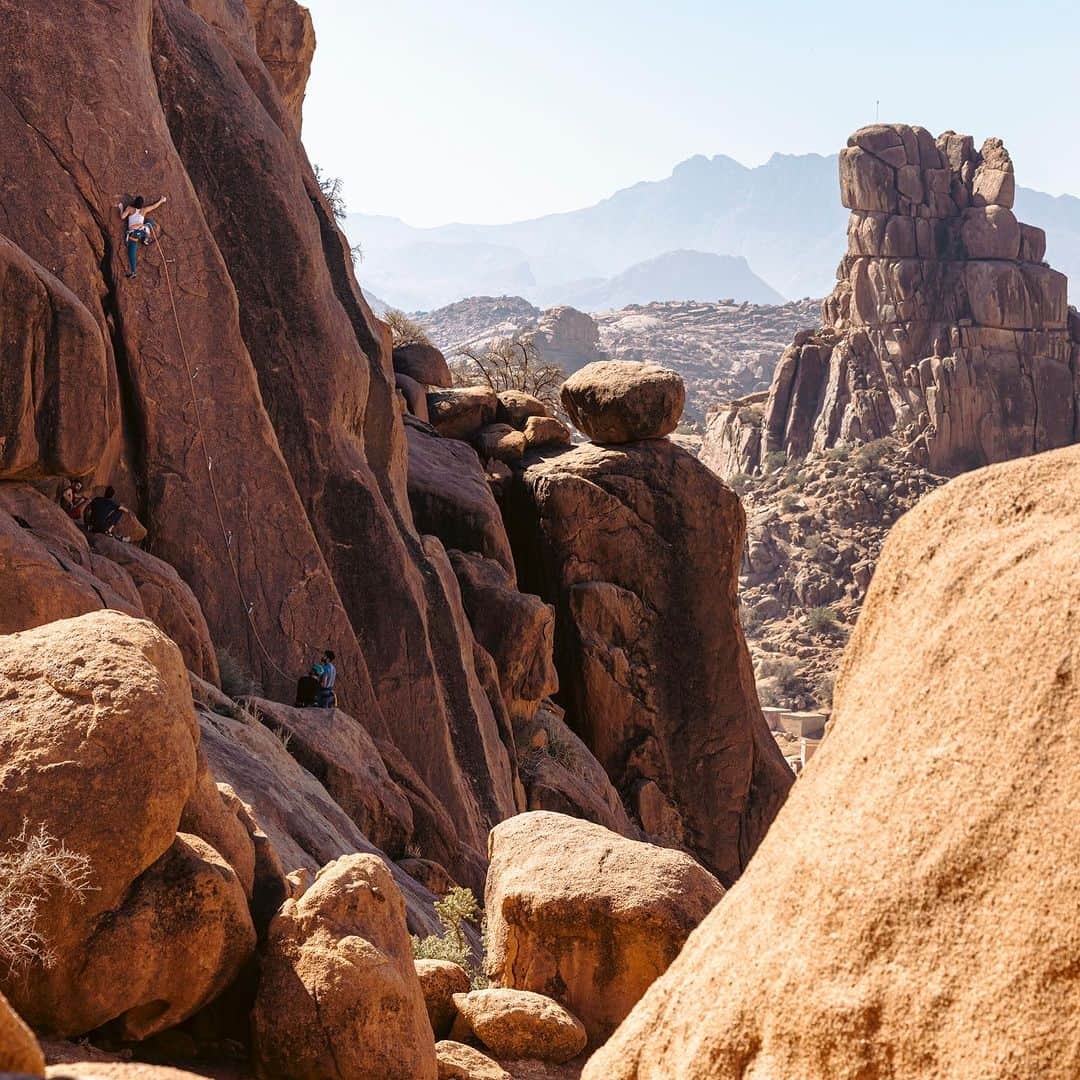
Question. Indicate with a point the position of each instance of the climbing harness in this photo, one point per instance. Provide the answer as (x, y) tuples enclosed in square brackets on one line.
[(248, 606)]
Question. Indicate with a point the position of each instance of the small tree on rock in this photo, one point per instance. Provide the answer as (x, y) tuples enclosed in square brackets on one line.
[(510, 364)]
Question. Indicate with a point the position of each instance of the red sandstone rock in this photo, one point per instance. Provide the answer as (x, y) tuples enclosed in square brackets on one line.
[(168, 601), (926, 906), (619, 401), (638, 548), (164, 926), (586, 916), (460, 413), (342, 756), (423, 363), (338, 994), (58, 404)]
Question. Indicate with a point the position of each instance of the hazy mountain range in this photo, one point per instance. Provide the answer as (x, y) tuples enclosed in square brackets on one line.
[(780, 224)]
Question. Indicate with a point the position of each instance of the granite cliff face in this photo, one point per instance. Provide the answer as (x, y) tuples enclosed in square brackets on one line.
[(946, 327)]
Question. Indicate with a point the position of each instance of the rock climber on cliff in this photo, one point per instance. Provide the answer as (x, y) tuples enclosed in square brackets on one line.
[(139, 227)]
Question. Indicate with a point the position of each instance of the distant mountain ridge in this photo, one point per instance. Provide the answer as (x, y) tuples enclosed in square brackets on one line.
[(784, 218)]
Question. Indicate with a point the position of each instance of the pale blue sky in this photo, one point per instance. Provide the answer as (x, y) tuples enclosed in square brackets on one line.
[(487, 112)]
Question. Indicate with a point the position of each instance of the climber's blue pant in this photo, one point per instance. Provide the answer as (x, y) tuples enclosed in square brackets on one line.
[(133, 238)]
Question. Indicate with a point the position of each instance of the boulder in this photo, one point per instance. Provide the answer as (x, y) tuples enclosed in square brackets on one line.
[(440, 980), (423, 363), (163, 924), (546, 431), (432, 875), (621, 401), (116, 1070), (19, 1049), (285, 40), (342, 756), (450, 497), (990, 232), (59, 403), (338, 994), (588, 917), (499, 441), (168, 600), (460, 413), (928, 939), (415, 396), (515, 407), (1032, 243), (521, 1024), (638, 549), (457, 1061)]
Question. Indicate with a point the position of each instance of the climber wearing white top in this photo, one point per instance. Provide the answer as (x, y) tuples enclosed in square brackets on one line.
[(139, 227)]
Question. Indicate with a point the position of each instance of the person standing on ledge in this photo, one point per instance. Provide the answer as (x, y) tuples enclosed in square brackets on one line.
[(326, 673), (140, 227)]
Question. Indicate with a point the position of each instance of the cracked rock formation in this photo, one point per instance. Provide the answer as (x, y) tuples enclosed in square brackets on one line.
[(637, 547), (946, 327)]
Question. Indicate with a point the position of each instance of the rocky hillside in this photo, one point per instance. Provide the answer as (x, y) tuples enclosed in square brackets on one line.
[(722, 350)]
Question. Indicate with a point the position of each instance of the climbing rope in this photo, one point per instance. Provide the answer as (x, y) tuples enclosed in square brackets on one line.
[(226, 534)]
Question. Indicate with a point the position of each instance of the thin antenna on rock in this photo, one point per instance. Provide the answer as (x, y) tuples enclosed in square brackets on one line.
[(877, 111)]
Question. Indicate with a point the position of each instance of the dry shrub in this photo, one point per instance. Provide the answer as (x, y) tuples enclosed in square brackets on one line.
[(405, 331), (35, 866), (510, 364)]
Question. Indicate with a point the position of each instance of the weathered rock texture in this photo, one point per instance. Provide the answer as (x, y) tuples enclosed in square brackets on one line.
[(338, 995), (19, 1050), (458, 1061), (946, 327), (638, 549), (98, 742), (57, 395), (520, 1024), (440, 980), (303, 827), (337, 750), (587, 917), (257, 434), (928, 896)]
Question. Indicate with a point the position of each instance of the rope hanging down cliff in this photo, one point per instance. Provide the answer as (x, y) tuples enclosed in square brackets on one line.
[(225, 534)]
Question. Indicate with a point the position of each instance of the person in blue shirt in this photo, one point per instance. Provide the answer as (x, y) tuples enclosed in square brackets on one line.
[(326, 674)]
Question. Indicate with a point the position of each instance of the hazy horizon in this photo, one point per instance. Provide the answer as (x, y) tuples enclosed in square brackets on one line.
[(503, 112)]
